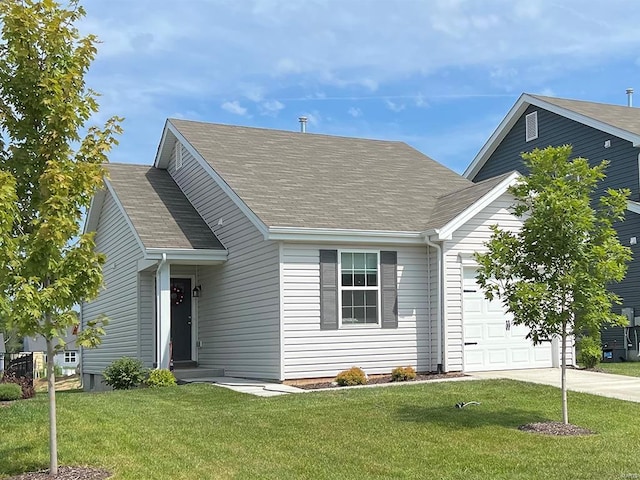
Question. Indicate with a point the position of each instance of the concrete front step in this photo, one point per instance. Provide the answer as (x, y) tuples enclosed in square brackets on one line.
[(199, 372)]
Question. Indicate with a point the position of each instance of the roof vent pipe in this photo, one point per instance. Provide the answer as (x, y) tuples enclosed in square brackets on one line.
[(303, 124), (629, 97)]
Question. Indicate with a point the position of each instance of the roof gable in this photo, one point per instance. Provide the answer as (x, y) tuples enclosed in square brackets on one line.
[(290, 179), (621, 121), (158, 211)]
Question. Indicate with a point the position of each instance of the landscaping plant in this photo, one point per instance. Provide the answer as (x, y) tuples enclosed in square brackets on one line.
[(124, 373), (10, 392), (51, 164), (402, 374), (553, 273), (353, 376), (589, 350), (160, 378)]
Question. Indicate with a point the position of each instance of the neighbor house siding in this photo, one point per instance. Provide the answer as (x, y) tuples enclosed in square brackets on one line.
[(311, 352), (119, 296), (466, 240), (239, 305), (587, 142)]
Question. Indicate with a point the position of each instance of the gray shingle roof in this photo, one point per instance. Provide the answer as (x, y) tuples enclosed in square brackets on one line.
[(619, 116), (308, 180), (451, 205), (158, 210)]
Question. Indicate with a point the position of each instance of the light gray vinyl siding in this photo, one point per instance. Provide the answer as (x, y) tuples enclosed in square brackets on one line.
[(311, 352), (119, 297), (238, 311), (468, 239), (147, 317)]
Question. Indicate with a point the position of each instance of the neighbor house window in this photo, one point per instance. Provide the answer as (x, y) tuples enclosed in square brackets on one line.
[(69, 357), (359, 288)]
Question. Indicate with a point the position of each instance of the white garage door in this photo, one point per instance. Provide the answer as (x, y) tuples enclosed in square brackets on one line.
[(491, 341)]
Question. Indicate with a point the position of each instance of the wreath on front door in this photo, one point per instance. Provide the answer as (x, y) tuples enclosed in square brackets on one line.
[(177, 294)]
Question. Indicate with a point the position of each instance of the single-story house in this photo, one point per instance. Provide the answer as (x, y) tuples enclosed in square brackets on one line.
[(67, 359), (282, 255)]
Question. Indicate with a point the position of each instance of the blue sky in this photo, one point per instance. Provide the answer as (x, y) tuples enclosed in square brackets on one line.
[(436, 74)]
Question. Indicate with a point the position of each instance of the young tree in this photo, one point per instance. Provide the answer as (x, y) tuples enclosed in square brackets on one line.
[(48, 175), (553, 273)]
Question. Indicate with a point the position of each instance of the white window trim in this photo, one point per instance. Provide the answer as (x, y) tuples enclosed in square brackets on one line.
[(377, 288), (528, 134), (178, 159), (70, 353)]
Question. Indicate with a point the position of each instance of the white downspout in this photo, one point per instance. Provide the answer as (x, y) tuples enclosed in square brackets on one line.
[(440, 295), (163, 260)]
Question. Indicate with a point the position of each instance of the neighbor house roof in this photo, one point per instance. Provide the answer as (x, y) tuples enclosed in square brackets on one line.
[(160, 213), (291, 179), (618, 120)]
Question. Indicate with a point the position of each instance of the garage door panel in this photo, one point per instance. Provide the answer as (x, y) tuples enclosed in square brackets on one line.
[(494, 346)]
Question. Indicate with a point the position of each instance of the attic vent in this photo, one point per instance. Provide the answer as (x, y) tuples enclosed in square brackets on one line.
[(178, 156), (531, 121)]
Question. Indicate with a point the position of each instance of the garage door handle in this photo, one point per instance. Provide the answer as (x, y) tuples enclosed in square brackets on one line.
[(470, 343)]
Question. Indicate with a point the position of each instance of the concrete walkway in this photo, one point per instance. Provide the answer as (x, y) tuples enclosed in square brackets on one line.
[(252, 387), (595, 383)]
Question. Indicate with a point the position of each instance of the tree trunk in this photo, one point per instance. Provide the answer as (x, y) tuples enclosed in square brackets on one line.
[(53, 434), (563, 356)]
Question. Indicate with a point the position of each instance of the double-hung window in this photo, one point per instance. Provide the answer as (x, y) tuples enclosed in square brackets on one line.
[(70, 357), (359, 288)]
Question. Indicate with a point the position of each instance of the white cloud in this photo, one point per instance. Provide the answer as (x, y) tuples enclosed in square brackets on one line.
[(354, 112), (394, 107), (271, 107), (234, 107)]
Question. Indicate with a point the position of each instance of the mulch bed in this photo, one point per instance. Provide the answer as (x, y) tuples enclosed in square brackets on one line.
[(555, 428), (381, 379), (66, 473)]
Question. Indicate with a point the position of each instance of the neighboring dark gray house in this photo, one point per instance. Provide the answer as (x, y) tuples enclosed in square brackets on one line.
[(282, 255), (596, 131)]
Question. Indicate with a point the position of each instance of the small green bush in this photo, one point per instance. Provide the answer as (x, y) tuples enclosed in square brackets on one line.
[(353, 376), (25, 384), (161, 378), (124, 373), (10, 392), (402, 374), (589, 351)]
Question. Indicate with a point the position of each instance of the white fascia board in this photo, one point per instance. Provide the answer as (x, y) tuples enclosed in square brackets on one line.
[(330, 235), (244, 208), (518, 109), (633, 206), (124, 214), (447, 231), (93, 215), (201, 256), (158, 162)]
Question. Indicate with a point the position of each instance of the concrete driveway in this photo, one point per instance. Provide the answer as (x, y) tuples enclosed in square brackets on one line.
[(603, 384)]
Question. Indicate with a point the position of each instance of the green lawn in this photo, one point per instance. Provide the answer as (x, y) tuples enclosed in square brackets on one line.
[(413, 431), (631, 369)]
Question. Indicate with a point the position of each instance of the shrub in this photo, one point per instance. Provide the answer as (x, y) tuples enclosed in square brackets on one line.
[(124, 373), (402, 374), (589, 351), (353, 376), (10, 391), (161, 378), (25, 384)]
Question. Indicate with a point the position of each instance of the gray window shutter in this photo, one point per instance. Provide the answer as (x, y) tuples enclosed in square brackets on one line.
[(389, 286), (328, 289)]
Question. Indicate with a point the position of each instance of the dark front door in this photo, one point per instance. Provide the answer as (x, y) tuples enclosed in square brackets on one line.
[(181, 318)]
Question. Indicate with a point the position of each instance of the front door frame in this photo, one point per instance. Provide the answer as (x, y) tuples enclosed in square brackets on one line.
[(194, 314)]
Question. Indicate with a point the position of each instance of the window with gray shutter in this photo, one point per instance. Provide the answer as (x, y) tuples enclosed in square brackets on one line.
[(329, 289), (389, 289)]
